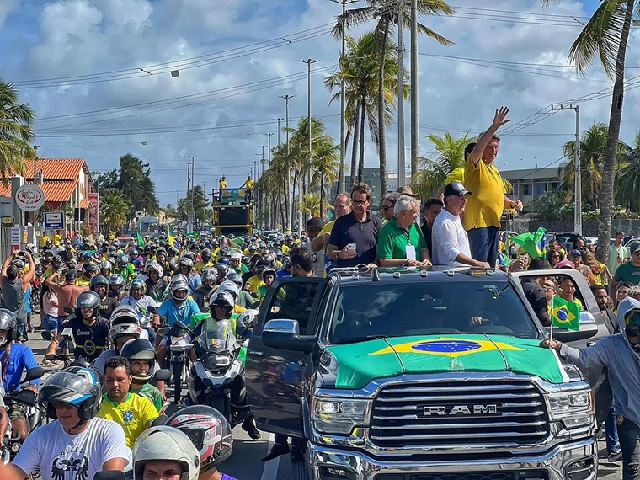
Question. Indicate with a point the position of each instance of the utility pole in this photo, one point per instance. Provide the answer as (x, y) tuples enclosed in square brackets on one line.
[(288, 203), (269, 135), (577, 171), (308, 61), (36, 178), (186, 206), (415, 125), (279, 130), (401, 165), (194, 221)]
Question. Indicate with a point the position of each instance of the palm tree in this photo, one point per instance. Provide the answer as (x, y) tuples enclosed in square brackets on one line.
[(114, 208), (386, 14), (433, 172), (15, 131), (311, 204), (628, 192), (605, 37), (325, 165), (592, 147)]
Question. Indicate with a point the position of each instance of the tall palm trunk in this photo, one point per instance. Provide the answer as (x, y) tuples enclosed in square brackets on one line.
[(293, 197), (321, 193), (354, 151), (611, 148), (382, 142), (363, 112)]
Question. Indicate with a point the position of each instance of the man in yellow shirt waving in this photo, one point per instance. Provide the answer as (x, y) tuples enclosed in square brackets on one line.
[(484, 208), (131, 411)]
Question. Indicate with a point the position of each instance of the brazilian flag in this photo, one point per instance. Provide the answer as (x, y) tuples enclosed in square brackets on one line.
[(564, 313), (535, 244)]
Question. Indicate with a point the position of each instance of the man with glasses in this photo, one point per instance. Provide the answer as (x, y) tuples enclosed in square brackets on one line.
[(401, 241), (630, 271), (620, 353), (450, 242), (354, 236), (388, 202)]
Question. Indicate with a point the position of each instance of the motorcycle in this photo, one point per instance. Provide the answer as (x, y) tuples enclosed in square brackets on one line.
[(179, 348), (35, 413), (219, 368)]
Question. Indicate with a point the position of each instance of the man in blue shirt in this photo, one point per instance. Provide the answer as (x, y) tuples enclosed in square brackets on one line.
[(15, 358), (178, 308)]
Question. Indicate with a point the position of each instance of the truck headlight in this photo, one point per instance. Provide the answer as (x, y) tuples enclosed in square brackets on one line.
[(574, 409), (339, 415)]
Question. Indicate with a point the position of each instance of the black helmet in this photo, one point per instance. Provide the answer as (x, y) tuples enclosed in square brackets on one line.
[(98, 280), (205, 254), (235, 278), (209, 432), (80, 389), (140, 349), (90, 267), (71, 274), (89, 299), (209, 274), (57, 261)]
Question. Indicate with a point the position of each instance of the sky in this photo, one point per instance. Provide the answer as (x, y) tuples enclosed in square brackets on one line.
[(98, 74)]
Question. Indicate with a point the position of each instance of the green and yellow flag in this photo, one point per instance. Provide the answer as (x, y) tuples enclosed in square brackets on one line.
[(565, 314), (535, 244), (139, 239)]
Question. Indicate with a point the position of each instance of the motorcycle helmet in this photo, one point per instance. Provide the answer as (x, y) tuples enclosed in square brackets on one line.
[(98, 280), (124, 314), (140, 349), (112, 249), (19, 263), (90, 267), (89, 299), (209, 432), (8, 323), (155, 267), (222, 299), (209, 274), (71, 275), (229, 286), (56, 262), (105, 265), (223, 271), (178, 282), (137, 283), (80, 389), (133, 253), (123, 260), (116, 280), (269, 271), (186, 262), (168, 444), (236, 278), (205, 255), (248, 318)]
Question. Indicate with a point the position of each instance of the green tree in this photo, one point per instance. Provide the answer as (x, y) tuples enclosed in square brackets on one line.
[(200, 205), (106, 180), (114, 209), (15, 131), (434, 171), (311, 204), (628, 183), (170, 211), (135, 181), (605, 37)]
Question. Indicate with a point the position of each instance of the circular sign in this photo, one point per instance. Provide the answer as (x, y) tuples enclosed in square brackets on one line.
[(29, 198)]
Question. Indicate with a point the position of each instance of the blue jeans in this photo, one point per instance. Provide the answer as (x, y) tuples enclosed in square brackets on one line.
[(51, 324), (484, 244), (629, 434), (611, 433)]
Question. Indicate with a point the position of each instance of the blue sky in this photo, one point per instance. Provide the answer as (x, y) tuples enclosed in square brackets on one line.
[(236, 60)]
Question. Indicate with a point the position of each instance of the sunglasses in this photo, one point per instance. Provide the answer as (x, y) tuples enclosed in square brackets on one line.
[(386, 207), (359, 202)]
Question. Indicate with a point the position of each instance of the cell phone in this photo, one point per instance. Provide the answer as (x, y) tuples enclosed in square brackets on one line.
[(351, 247)]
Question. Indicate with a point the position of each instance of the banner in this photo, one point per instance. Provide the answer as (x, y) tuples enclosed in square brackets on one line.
[(93, 212)]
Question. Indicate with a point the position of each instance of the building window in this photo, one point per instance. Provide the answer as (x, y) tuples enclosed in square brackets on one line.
[(526, 189), (541, 188), (555, 186), (516, 189)]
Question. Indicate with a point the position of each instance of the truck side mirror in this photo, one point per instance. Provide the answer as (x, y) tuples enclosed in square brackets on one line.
[(284, 333), (588, 329)]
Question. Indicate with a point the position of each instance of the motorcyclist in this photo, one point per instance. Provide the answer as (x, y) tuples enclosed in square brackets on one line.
[(268, 276), (89, 270), (620, 353), (156, 284), (124, 268), (141, 303), (203, 292), (205, 260), (135, 260), (142, 357), (100, 285), (222, 304), (244, 298), (229, 286), (116, 286), (105, 268), (197, 422), (165, 453), (125, 326), (75, 444), (186, 269), (15, 358), (178, 308)]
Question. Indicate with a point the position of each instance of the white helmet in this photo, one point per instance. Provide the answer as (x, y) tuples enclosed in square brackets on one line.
[(155, 267), (248, 318), (167, 444), (229, 286)]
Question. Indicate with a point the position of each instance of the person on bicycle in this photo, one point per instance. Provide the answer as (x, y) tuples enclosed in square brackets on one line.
[(75, 444), (210, 433), (166, 453)]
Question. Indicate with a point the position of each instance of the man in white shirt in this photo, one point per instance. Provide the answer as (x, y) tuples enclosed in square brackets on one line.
[(450, 242)]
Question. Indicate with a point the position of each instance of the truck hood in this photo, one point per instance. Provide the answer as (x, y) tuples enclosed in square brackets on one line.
[(353, 366)]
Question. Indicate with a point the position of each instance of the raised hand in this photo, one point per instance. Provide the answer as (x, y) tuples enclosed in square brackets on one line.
[(499, 118)]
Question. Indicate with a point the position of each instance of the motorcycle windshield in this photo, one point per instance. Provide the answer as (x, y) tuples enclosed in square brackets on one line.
[(218, 336)]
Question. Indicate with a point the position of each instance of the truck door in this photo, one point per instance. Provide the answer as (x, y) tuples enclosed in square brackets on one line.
[(274, 376)]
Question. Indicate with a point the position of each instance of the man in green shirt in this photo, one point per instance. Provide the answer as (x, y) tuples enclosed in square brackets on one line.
[(630, 271), (400, 241)]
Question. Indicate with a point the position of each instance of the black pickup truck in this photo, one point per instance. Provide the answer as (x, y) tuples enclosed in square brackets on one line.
[(407, 375)]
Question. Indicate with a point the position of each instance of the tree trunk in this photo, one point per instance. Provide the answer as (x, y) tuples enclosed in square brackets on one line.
[(610, 151), (354, 150), (382, 143), (362, 122), (293, 197), (321, 193)]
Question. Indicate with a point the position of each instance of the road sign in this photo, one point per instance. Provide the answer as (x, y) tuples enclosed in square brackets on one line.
[(29, 197), (15, 238), (54, 220)]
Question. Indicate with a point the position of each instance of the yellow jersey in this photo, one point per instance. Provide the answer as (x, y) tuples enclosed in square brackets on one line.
[(486, 203), (223, 184), (254, 282), (133, 415)]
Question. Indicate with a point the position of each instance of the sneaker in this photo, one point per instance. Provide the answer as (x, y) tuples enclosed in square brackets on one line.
[(614, 457)]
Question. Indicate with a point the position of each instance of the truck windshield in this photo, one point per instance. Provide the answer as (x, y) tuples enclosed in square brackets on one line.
[(389, 309)]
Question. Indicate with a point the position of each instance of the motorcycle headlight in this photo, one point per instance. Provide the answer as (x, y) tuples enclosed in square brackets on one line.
[(574, 409), (223, 360), (338, 415)]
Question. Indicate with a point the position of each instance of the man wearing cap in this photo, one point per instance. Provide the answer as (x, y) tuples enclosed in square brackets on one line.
[(630, 271), (450, 242), (401, 241), (482, 215)]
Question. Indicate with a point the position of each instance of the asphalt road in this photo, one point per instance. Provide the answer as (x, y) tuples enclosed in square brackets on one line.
[(245, 463)]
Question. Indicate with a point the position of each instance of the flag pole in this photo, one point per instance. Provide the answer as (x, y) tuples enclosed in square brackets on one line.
[(551, 330)]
